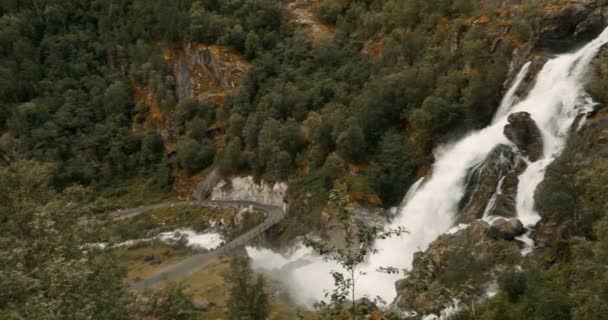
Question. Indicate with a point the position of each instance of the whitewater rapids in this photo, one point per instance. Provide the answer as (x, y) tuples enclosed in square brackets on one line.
[(554, 102)]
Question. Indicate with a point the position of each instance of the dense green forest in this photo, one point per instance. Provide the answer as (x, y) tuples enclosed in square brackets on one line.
[(68, 66), (310, 111)]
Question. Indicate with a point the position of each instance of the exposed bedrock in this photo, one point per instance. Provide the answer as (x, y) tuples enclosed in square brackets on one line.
[(492, 185), (525, 134), (456, 264), (579, 21)]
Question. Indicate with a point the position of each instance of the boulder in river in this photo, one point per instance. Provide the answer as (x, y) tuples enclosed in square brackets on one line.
[(525, 134), (506, 229)]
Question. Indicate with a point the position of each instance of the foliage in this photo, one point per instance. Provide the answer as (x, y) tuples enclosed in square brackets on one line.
[(394, 169), (358, 245), (513, 284), (248, 299), (171, 303), (45, 273)]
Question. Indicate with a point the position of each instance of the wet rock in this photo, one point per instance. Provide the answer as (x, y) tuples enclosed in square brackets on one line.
[(506, 229), (459, 264), (496, 177), (525, 134), (506, 199), (567, 27)]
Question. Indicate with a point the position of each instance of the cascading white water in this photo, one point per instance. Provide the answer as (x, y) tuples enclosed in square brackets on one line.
[(509, 98), (557, 98)]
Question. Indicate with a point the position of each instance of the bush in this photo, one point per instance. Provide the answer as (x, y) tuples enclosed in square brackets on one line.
[(192, 156), (513, 284)]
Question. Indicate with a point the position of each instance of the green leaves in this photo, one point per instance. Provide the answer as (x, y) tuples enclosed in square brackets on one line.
[(44, 271), (248, 299), (357, 246)]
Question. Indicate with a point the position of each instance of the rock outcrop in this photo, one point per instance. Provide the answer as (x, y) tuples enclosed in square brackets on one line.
[(525, 134), (492, 186), (455, 265), (245, 188), (570, 24), (205, 72), (506, 229)]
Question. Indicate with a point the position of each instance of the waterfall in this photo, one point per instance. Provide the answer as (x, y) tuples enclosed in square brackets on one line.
[(509, 98), (554, 102)]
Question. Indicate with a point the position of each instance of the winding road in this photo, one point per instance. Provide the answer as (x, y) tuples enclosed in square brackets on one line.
[(274, 215)]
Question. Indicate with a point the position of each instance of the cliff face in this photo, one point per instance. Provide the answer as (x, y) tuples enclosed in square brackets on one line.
[(205, 72)]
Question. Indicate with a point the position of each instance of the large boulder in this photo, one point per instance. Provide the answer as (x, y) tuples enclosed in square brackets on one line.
[(506, 229), (525, 134)]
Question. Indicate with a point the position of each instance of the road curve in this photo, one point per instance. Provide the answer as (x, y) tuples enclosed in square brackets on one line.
[(273, 215)]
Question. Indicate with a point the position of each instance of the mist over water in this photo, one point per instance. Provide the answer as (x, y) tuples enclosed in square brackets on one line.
[(555, 101)]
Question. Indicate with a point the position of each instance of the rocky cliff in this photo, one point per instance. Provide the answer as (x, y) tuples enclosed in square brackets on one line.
[(205, 71)]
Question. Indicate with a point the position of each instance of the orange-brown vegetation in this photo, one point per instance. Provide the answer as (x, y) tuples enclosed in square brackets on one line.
[(303, 14)]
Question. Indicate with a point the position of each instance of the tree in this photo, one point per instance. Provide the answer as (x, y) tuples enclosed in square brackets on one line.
[(45, 272), (513, 283), (358, 244), (252, 128), (251, 45), (268, 141), (248, 299), (279, 164), (232, 157), (193, 155), (198, 129), (237, 124), (116, 99), (589, 294), (394, 170), (351, 144)]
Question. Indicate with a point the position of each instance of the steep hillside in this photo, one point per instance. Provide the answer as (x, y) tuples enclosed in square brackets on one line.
[(116, 103)]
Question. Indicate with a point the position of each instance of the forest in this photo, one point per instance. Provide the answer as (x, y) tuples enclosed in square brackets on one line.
[(366, 107)]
